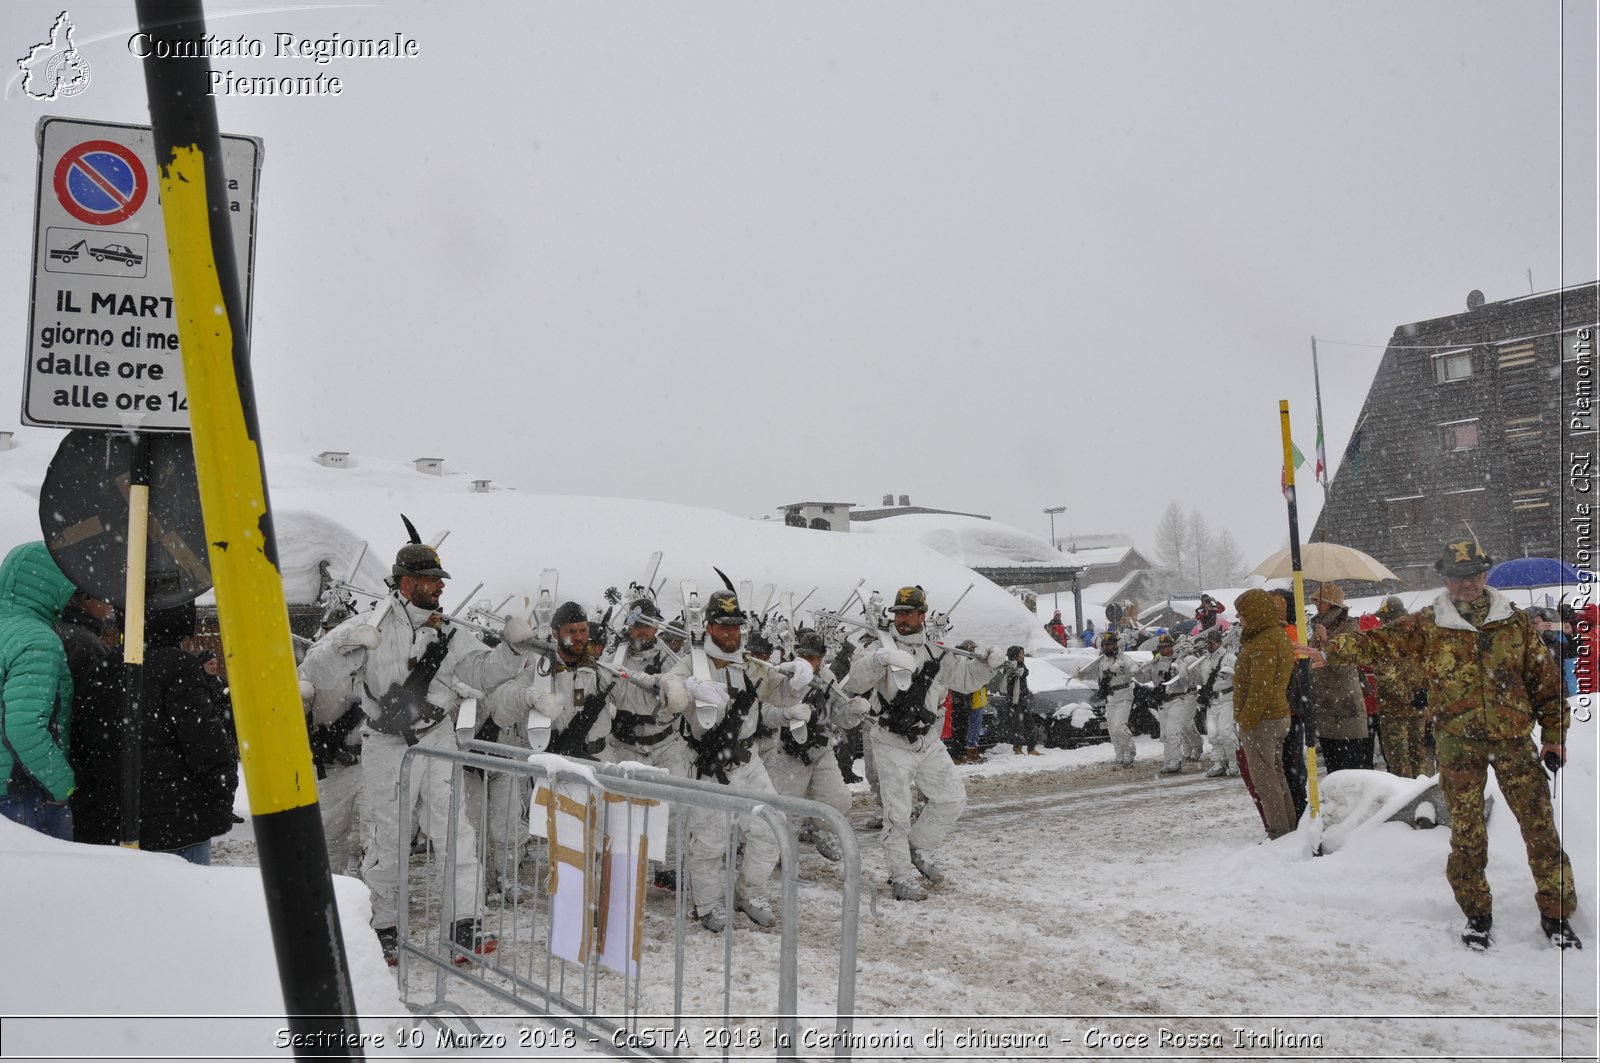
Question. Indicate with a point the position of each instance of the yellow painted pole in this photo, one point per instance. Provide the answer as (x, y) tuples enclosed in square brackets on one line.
[(238, 518), (1302, 665)]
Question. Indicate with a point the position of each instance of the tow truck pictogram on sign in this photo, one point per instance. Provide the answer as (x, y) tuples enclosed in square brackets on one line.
[(101, 182)]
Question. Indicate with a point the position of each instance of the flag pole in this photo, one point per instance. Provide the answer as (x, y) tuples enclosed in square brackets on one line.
[(1320, 473), (1302, 665)]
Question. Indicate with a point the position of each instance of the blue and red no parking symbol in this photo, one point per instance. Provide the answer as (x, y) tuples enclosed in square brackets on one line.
[(101, 182)]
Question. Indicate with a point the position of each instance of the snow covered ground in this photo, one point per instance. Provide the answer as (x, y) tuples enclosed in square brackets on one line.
[(1092, 908), (1083, 903)]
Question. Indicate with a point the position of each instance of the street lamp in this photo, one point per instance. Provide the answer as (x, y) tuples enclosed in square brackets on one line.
[(1052, 511)]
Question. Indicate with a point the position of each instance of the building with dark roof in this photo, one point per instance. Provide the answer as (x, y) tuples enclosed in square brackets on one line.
[(1480, 423)]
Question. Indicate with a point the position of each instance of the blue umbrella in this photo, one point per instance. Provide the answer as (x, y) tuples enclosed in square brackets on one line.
[(1527, 572)]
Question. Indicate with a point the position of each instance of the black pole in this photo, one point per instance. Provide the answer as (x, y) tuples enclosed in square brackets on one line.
[(312, 971)]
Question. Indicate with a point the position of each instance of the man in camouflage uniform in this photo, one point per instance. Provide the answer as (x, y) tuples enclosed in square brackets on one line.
[(1403, 707), (1489, 680)]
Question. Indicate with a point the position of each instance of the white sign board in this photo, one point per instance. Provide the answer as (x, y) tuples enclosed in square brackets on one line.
[(102, 335)]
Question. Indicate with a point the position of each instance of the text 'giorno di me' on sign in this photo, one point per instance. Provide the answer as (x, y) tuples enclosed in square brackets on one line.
[(102, 348)]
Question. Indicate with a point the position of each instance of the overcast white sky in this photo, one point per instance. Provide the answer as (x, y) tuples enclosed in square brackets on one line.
[(995, 256)]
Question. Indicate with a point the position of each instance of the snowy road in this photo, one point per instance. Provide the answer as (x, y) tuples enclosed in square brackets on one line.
[(1098, 913), (1142, 907)]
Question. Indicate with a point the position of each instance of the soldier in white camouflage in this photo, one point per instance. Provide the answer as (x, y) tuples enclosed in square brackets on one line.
[(1489, 680)]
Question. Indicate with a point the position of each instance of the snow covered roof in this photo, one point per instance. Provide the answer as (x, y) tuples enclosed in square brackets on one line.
[(972, 541), (505, 538)]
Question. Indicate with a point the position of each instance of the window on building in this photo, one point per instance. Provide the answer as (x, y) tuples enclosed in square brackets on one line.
[(1524, 429), (1459, 435), (1518, 354), (1453, 365), (820, 524), (793, 519), (1530, 498), (1404, 512)]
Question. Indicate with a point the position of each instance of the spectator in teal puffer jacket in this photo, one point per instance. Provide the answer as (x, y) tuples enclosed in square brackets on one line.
[(35, 692)]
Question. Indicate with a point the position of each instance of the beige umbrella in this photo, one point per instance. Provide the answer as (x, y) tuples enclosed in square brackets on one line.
[(1325, 561)]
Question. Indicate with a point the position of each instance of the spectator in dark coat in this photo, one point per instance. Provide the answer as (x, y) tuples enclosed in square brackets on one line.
[(1336, 692), (1017, 722), (97, 700), (188, 771), (217, 683)]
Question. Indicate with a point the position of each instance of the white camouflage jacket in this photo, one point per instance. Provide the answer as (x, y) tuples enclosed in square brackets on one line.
[(333, 659)]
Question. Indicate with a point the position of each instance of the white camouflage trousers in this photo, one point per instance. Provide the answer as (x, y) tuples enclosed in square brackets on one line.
[(1221, 733), (429, 798), (339, 800), (820, 780), (1180, 739), (708, 843), (926, 764), (1119, 706)]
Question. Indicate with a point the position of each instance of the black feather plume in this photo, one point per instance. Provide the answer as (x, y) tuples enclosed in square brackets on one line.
[(411, 529)]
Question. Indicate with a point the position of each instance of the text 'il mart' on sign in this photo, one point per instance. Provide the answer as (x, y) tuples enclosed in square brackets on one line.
[(102, 328)]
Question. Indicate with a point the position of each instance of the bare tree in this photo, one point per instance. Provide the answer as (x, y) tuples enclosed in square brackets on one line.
[(1230, 564), (1191, 557), (1171, 534)]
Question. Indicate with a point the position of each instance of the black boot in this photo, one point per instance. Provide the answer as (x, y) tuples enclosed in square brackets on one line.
[(1476, 933), (1559, 931), (469, 936), (389, 941)]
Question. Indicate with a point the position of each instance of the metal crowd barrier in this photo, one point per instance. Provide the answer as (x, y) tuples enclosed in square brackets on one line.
[(585, 993)]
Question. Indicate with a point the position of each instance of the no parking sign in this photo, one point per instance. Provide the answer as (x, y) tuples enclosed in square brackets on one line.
[(102, 347)]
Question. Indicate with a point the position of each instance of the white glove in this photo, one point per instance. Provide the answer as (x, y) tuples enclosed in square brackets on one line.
[(355, 637), (518, 632), (799, 672), (994, 656), (421, 639), (800, 713), (466, 692), (711, 695), (902, 659), (542, 701), (675, 695), (645, 682), (880, 654), (307, 691)]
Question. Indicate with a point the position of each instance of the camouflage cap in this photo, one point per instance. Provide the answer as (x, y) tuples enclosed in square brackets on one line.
[(1462, 558), (1391, 610), (1329, 593), (909, 600), (722, 607), (419, 559), (810, 643)]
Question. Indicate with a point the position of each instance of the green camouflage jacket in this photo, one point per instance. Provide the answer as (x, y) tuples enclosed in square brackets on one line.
[(1488, 684)]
